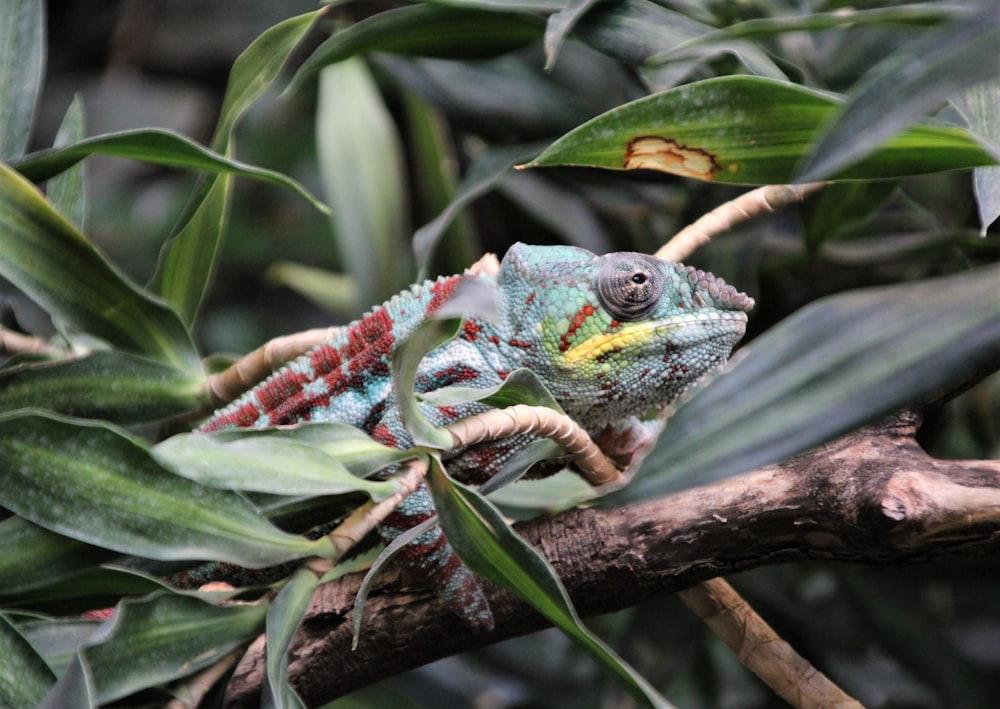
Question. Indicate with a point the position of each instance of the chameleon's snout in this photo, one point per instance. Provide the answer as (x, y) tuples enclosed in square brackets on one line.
[(711, 291)]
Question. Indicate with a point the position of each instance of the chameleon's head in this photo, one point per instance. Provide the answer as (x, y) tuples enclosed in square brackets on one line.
[(616, 335)]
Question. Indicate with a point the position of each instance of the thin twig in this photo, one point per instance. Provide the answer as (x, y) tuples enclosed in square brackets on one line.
[(769, 198), (367, 516), (12, 343), (198, 686), (760, 649)]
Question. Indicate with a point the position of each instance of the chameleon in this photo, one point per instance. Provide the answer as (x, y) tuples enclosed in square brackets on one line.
[(612, 337)]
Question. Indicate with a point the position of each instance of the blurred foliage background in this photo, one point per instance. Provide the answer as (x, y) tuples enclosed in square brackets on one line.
[(450, 114)]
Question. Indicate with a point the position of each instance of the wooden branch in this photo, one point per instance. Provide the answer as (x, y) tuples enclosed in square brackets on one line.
[(872, 497)]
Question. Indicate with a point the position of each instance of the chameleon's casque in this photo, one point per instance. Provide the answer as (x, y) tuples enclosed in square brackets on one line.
[(611, 337)]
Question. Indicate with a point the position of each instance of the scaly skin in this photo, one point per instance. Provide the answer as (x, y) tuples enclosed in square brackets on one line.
[(612, 337)]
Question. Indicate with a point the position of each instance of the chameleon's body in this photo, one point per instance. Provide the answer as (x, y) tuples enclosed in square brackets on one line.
[(610, 336)]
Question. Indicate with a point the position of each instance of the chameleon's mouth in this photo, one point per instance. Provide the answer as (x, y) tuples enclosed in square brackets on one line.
[(724, 325)]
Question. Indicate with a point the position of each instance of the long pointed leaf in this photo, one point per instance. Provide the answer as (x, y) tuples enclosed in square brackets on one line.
[(74, 690), (486, 170), (426, 30), (490, 547), (362, 165), (164, 637), (142, 389), (900, 90), (188, 259), (405, 360), (283, 621), (153, 145), (22, 63), (262, 464), (32, 557), (829, 368), (25, 678), (66, 191), (95, 484), (980, 106), (47, 258), (745, 130)]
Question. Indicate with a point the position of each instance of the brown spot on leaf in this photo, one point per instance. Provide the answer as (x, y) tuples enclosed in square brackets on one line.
[(666, 155)]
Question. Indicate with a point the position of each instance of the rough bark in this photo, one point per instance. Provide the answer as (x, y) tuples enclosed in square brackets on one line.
[(872, 497)]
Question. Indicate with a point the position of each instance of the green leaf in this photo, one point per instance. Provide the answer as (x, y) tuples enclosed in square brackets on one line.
[(490, 547), (425, 30), (435, 182), (831, 367), (283, 621), (762, 27), (980, 106), (485, 171), (143, 389), (47, 258), (330, 291), (361, 161), (188, 259), (350, 446), (163, 637), (26, 678), (559, 26), (638, 31), (74, 690), (153, 145), (58, 639), (745, 130), (32, 557), (899, 90), (22, 68), (262, 463), (93, 483), (405, 361), (97, 587), (842, 206), (522, 386), (66, 191)]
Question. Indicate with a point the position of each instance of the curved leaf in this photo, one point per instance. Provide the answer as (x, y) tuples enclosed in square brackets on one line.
[(95, 484), (153, 145), (22, 68), (424, 30), (745, 130), (26, 678), (283, 621), (980, 106), (165, 636), (833, 366), (638, 31), (362, 165), (66, 191), (262, 464), (109, 385), (47, 258), (899, 90), (493, 550), (188, 259), (485, 171), (32, 557)]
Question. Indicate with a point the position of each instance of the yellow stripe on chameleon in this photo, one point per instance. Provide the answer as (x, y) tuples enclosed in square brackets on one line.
[(628, 336)]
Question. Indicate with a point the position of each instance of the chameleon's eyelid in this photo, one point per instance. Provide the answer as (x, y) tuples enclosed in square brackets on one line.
[(629, 285)]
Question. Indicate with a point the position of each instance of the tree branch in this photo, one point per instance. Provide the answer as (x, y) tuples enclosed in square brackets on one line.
[(872, 497)]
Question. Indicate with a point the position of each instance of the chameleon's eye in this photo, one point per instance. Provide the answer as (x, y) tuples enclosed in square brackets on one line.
[(629, 285)]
